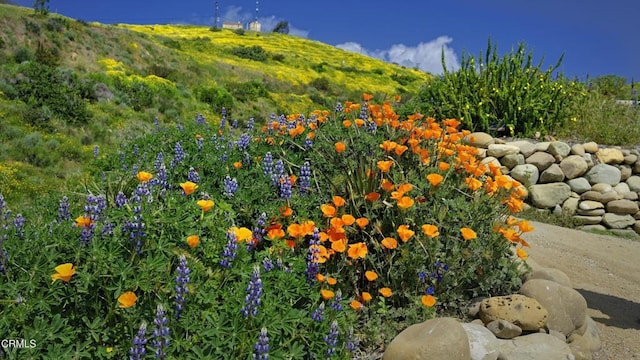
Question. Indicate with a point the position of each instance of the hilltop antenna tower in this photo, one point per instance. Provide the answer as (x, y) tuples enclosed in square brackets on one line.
[(257, 7), (217, 18)]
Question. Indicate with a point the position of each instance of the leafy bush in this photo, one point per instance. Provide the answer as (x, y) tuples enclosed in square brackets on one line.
[(488, 92), (255, 53), (194, 239), (247, 91), (239, 31), (217, 97), (321, 84), (22, 54)]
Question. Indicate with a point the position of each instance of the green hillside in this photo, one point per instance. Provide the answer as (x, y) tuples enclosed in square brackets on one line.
[(67, 86)]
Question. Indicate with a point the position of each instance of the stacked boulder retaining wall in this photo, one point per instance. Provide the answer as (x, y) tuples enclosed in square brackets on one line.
[(599, 186)]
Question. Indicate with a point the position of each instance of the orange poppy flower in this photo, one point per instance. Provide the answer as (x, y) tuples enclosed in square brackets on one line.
[(428, 300), (372, 196), (243, 234), (339, 245), (468, 234), (188, 187), (340, 147), (307, 227), (370, 275), (435, 179), (286, 211), (359, 122), (331, 281), (386, 292), (328, 210), (473, 183), (405, 202), (63, 272), (336, 223), (362, 222), (348, 220), (358, 250), (443, 166), (387, 185), (525, 226), (405, 188), (336, 233), (388, 145), (320, 278), (430, 230), (144, 176), (338, 201), (366, 297), (83, 221), (522, 254), (127, 299), (384, 165), (295, 230), (400, 149), (405, 233), (504, 182), (321, 255), (326, 294), (274, 234), (356, 305), (367, 97), (205, 205), (389, 243), (193, 241), (237, 164), (347, 123)]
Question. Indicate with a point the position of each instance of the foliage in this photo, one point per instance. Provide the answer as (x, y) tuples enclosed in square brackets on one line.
[(341, 226), (489, 92), (217, 97), (255, 53), (41, 7), (281, 27), (609, 85), (248, 91)]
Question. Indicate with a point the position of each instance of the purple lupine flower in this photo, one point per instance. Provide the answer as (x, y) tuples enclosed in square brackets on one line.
[(3, 204), (339, 108), (156, 122), (87, 232), (267, 164), (4, 259), (136, 150), (138, 351), (363, 111), (267, 264), (336, 303), (262, 346), (141, 190), (181, 285), (199, 143), (179, 155), (121, 199), (234, 124), (305, 178), (96, 151), (250, 124), (244, 141), (180, 127), (193, 176), (223, 157), (282, 120), (229, 253), (63, 209), (160, 333), (230, 186), (332, 338), (107, 230), (223, 120), (312, 257), (247, 158), (159, 161), (318, 314), (200, 120), (123, 161), (95, 205), (285, 187), (254, 291), (136, 230), (308, 143), (352, 341), (134, 169)]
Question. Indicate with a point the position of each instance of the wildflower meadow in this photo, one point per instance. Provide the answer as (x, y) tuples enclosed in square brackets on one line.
[(304, 236)]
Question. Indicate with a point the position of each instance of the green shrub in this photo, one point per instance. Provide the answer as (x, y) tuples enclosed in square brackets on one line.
[(239, 32), (248, 91), (22, 54), (216, 97), (255, 53), (321, 84), (489, 92)]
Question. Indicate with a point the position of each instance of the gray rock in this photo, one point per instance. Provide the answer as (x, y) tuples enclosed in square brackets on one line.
[(559, 148), (587, 220), (567, 308), (634, 183), (545, 196), (474, 306), (479, 139), (551, 174), (636, 226), (573, 166), (589, 159), (102, 92), (630, 159), (503, 329), (577, 149), (482, 343), (585, 343), (535, 347), (551, 274), (615, 221), (439, 338), (603, 173), (526, 174), (542, 146), (570, 206), (590, 205), (500, 150), (512, 160), (541, 160), (523, 311), (622, 188), (602, 188), (594, 212), (593, 227), (633, 196), (625, 172), (590, 147), (623, 207), (610, 156), (526, 147), (579, 185)]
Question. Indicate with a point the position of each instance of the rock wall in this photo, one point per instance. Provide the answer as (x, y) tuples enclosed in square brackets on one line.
[(598, 186)]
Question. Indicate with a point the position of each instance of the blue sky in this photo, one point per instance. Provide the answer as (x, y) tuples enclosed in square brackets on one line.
[(597, 37)]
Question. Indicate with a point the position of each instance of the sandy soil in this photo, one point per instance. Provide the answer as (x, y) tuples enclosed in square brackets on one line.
[(606, 271)]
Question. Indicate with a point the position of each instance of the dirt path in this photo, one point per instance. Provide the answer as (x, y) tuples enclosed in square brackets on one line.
[(606, 271)]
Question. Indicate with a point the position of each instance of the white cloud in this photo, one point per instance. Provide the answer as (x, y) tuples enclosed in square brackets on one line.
[(425, 56)]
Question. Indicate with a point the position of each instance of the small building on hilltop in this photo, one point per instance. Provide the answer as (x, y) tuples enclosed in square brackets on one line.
[(232, 25), (255, 26)]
